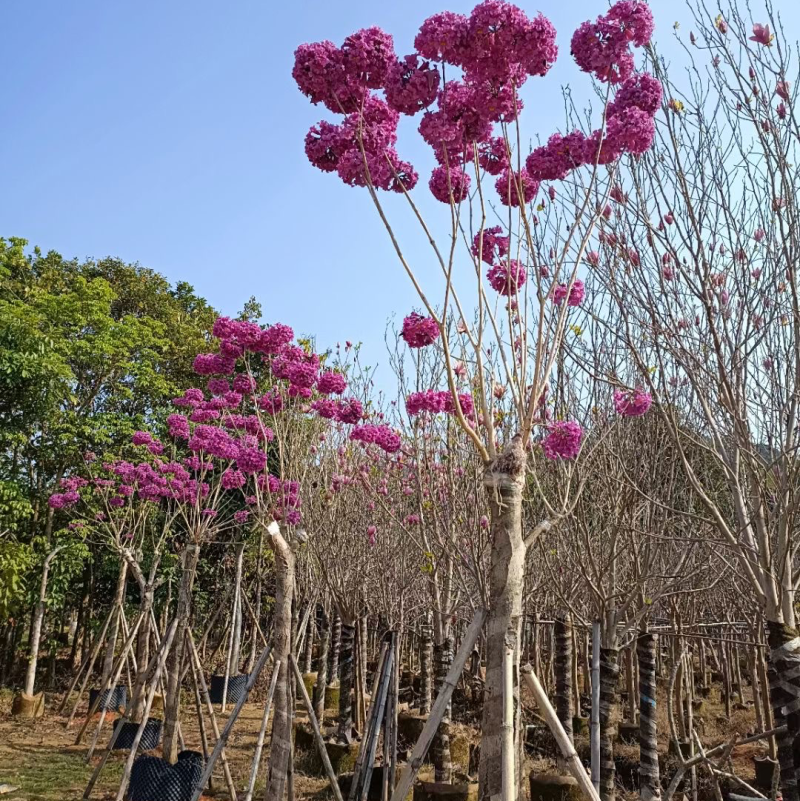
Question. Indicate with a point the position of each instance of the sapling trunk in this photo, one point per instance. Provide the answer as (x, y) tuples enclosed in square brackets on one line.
[(347, 671), (426, 669), (113, 631), (322, 668), (503, 480), (609, 676), (36, 628), (234, 657), (649, 782), (281, 744), (310, 631), (336, 646), (191, 554), (442, 760), (563, 671)]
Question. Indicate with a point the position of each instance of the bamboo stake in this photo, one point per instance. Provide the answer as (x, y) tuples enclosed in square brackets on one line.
[(210, 708), (439, 708), (368, 734), (167, 643), (201, 724), (571, 757), (106, 685), (90, 658), (198, 791), (323, 751), (380, 706), (262, 731), (507, 742), (157, 663)]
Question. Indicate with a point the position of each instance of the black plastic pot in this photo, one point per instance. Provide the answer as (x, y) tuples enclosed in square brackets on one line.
[(236, 686), (154, 779), (151, 736), (112, 699)]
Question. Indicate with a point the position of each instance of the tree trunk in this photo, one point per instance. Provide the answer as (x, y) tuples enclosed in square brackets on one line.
[(563, 671), (234, 658), (336, 645), (426, 669), (191, 553), (442, 761), (784, 692), (142, 652), (310, 629), (322, 668), (649, 782), (281, 744), (347, 669), (36, 629), (503, 480), (609, 676), (113, 631)]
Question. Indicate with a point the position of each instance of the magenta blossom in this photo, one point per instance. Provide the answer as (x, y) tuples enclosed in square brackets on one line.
[(331, 383), (563, 440), (489, 245), (419, 331), (510, 184), (634, 403), (384, 437), (574, 295), (445, 183), (507, 278)]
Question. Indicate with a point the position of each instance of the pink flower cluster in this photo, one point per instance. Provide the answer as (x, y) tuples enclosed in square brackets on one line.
[(361, 148), (489, 245), (602, 47), (574, 295), (634, 403), (516, 188), (435, 402), (383, 436), (331, 383), (629, 129), (348, 411), (507, 278), (497, 47), (146, 439), (563, 440), (419, 331)]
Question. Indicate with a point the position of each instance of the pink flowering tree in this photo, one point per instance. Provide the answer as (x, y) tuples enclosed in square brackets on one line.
[(698, 263), (518, 225)]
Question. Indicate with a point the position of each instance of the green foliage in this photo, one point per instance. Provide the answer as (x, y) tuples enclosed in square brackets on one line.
[(89, 351)]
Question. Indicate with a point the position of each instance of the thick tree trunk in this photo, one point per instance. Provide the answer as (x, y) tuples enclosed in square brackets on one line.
[(336, 645), (36, 629), (504, 480), (649, 781), (784, 692), (563, 671), (322, 668), (142, 653), (347, 671), (281, 744), (609, 676), (442, 760), (426, 669), (172, 703), (113, 630)]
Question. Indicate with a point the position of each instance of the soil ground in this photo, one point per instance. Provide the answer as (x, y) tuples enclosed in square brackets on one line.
[(41, 759)]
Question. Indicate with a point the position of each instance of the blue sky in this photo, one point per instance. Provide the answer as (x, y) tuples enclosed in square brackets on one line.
[(171, 133)]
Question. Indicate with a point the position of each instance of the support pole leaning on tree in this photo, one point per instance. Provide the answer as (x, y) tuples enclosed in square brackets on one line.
[(198, 791), (439, 708), (571, 757)]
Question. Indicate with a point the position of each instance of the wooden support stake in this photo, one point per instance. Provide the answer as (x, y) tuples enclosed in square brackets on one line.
[(262, 731), (198, 791), (439, 708), (571, 757)]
